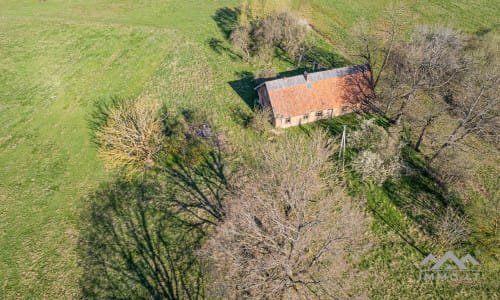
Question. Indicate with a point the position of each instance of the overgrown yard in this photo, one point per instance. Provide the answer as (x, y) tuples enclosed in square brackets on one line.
[(58, 57)]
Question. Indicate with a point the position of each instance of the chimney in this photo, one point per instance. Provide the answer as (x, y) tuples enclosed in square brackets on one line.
[(306, 77)]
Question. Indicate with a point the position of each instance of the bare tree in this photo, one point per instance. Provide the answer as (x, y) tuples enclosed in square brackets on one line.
[(451, 228), (403, 69), (431, 107), (423, 76), (286, 31), (293, 38), (430, 61), (240, 39), (374, 46), (476, 106), (260, 120), (131, 136), (288, 229)]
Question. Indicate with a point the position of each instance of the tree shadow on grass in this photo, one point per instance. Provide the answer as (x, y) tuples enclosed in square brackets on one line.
[(335, 126), (319, 58), (199, 184), (226, 19), (420, 195), (240, 115), (221, 47), (417, 194), (130, 248), (195, 167)]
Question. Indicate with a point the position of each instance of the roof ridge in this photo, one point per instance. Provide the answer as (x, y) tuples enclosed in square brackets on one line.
[(320, 75)]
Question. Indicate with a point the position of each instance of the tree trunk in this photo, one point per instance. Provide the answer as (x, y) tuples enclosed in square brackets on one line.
[(447, 144), (422, 133), (388, 106), (420, 139), (401, 109), (441, 149), (406, 99), (299, 60), (398, 118)]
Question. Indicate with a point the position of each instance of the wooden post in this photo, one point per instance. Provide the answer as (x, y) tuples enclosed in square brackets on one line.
[(342, 147)]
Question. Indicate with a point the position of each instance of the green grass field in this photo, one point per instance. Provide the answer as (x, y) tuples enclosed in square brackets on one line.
[(58, 57), (336, 18)]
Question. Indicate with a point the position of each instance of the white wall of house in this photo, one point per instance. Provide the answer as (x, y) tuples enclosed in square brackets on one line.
[(285, 122)]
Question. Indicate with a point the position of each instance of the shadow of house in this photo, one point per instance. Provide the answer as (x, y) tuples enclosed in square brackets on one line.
[(245, 86)]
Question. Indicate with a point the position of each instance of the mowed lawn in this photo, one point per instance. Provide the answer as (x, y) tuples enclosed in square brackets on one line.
[(58, 57)]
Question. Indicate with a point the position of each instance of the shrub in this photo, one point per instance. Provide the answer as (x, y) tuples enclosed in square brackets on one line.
[(451, 228), (241, 41), (260, 120), (259, 38), (367, 137), (379, 155)]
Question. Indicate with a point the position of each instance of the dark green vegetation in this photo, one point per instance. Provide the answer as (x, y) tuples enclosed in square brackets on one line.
[(58, 57)]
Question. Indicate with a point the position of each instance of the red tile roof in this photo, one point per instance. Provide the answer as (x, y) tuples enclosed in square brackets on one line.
[(295, 96)]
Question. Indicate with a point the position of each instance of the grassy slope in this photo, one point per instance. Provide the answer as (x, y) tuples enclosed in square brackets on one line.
[(46, 160), (337, 18), (56, 58)]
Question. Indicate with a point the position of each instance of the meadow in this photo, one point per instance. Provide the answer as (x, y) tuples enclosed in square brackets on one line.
[(58, 57)]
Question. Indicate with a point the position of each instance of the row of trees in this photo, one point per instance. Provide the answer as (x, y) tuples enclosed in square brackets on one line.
[(439, 90), (430, 74)]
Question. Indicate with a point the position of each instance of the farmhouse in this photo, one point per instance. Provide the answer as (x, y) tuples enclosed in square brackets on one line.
[(311, 97)]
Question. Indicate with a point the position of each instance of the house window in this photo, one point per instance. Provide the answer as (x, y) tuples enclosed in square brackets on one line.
[(319, 113), (287, 120), (305, 117)]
